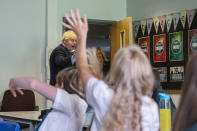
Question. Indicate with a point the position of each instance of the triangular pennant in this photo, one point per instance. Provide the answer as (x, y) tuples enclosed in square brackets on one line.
[(183, 18), (162, 20), (168, 21), (156, 23), (149, 23), (136, 25), (176, 17), (190, 17), (143, 26)]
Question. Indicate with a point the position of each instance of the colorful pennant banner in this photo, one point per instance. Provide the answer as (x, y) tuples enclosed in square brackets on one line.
[(176, 17), (165, 19), (190, 17), (162, 20), (136, 25), (149, 25), (143, 26), (168, 21), (156, 23), (183, 18)]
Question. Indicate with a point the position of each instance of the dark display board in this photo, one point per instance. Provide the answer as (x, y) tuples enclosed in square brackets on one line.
[(172, 63)]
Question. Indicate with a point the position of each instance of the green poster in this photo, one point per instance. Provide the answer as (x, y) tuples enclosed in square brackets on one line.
[(176, 46)]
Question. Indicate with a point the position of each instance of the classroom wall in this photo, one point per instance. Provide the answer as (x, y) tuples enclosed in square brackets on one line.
[(28, 27), (22, 41), (143, 9), (94, 9)]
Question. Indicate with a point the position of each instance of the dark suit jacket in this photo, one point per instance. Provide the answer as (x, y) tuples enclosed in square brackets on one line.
[(60, 58)]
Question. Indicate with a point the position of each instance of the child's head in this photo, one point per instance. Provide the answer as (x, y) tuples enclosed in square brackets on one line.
[(186, 114), (101, 55), (72, 84), (131, 67), (131, 77), (69, 76)]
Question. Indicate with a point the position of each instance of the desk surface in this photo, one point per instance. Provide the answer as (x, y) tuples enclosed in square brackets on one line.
[(29, 115)]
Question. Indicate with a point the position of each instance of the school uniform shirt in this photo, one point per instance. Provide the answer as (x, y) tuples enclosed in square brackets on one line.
[(99, 96), (68, 114)]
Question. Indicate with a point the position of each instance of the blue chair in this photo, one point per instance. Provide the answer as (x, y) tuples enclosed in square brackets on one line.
[(9, 126)]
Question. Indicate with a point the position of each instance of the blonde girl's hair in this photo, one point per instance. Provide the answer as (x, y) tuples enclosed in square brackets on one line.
[(94, 65), (131, 77), (103, 54), (69, 35), (69, 76)]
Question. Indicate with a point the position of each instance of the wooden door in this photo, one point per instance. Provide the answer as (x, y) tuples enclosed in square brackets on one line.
[(120, 35)]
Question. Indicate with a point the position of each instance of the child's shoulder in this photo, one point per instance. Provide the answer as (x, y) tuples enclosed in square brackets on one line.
[(148, 102)]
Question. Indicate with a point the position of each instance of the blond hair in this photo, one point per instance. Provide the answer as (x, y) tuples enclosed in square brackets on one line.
[(69, 35), (131, 77), (103, 54), (93, 63), (69, 76)]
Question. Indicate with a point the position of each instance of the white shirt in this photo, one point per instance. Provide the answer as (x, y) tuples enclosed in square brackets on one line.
[(68, 113), (99, 96)]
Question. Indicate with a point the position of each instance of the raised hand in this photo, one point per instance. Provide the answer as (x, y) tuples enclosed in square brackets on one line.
[(14, 87), (78, 25)]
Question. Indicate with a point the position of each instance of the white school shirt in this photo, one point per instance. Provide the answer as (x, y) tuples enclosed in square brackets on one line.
[(68, 113), (99, 96)]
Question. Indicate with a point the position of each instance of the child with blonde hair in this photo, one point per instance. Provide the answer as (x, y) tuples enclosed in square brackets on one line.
[(122, 101), (69, 106)]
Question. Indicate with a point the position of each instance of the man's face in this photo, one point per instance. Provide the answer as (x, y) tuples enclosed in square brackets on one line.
[(70, 44)]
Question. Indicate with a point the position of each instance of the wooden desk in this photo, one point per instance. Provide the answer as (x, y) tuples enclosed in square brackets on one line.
[(28, 117)]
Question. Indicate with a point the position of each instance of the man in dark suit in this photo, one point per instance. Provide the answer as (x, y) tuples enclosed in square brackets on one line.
[(63, 55)]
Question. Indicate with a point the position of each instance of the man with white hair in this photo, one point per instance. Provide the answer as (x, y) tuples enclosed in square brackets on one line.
[(62, 56)]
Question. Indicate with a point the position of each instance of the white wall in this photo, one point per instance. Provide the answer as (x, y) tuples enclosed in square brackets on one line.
[(142, 9), (22, 41)]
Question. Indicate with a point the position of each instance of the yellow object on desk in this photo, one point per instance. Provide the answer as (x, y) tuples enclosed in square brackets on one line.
[(165, 120)]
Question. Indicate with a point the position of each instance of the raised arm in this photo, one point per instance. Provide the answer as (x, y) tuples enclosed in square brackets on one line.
[(16, 84), (80, 27)]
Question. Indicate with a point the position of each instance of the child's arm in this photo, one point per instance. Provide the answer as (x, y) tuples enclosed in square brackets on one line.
[(16, 84), (80, 27)]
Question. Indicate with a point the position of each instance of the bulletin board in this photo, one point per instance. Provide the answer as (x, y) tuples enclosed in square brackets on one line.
[(168, 41)]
